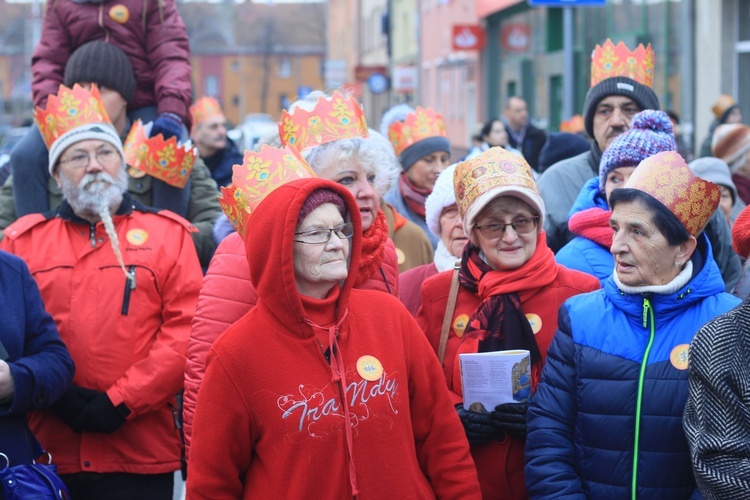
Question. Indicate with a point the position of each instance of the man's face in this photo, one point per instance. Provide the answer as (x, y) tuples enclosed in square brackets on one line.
[(516, 113), (210, 135), (611, 118), (114, 103)]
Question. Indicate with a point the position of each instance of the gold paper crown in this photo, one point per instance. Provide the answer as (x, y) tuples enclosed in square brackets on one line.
[(496, 167), (165, 160), (69, 109), (610, 60), (666, 177), (203, 108), (573, 126), (332, 118), (260, 173), (420, 124)]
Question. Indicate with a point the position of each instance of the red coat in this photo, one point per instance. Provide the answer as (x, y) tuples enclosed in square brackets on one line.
[(276, 419), (134, 348), (158, 51), (499, 464), (227, 294), (410, 286)]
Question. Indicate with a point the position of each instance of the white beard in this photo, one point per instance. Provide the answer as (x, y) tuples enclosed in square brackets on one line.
[(95, 193)]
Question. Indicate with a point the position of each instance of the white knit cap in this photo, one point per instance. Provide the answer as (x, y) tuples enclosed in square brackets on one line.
[(442, 196), (101, 131)]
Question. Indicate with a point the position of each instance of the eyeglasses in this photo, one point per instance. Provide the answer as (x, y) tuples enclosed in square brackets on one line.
[(105, 156), (323, 235), (497, 229)]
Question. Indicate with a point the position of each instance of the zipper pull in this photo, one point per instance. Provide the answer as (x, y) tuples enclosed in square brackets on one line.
[(646, 307), (131, 277)]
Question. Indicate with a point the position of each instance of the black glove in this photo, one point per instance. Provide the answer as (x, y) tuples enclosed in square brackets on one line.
[(168, 125), (511, 418), (100, 415), (72, 403), (479, 427)]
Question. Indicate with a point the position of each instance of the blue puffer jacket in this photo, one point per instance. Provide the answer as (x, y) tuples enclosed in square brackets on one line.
[(588, 428), (583, 254)]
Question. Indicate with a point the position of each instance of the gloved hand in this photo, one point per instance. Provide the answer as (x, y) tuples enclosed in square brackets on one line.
[(168, 125), (479, 427), (511, 418), (100, 415), (72, 403)]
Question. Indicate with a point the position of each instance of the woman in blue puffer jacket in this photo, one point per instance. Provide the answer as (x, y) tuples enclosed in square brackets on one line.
[(606, 420)]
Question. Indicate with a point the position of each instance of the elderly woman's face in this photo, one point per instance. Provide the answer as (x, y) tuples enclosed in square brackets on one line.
[(642, 254), (319, 266), (360, 183), (452, 230), (424, 172), (506, 248)]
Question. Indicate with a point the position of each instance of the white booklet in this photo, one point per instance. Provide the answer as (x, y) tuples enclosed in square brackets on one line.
[(493, 378)]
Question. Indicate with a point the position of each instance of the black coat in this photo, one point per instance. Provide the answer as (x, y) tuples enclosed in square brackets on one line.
[(532, 145)]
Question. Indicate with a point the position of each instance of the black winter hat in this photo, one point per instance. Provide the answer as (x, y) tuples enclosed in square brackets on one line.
[(104, 64), (561, 146), (643, 96)]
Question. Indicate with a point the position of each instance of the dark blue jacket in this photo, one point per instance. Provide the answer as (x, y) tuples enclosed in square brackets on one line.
[(39, 361), (220, 164), (583, 254), (587, 420)]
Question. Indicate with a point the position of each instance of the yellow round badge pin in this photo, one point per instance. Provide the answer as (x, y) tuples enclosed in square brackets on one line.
[(535, 321), (135, 173), (119, 14), (679, 356), (369, 368), (460, 324), (400, 256), (136, 237)]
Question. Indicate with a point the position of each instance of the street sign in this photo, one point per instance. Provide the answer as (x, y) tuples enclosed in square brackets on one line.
[(566, 3), (363, 73), (377, 83)]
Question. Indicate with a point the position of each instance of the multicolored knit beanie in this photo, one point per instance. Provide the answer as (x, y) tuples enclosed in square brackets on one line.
[(650, 132)]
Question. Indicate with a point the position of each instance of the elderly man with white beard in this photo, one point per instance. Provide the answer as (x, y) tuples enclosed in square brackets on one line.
[(121, 281)]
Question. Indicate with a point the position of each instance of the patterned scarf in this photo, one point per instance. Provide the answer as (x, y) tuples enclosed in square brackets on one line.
[(412, 195), (373, 248), (593, 224)]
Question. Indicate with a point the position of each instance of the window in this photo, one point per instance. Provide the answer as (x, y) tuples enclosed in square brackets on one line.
[(285, 67), (211, 86)]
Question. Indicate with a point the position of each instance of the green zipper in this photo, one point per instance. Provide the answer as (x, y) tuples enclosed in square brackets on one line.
[(648, 313)]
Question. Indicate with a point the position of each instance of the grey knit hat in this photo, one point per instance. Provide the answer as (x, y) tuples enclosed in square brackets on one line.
[(714, 170), (104, 64), (642, 95)]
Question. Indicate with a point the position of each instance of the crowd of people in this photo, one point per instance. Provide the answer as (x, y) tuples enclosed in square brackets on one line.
[(289, 322)]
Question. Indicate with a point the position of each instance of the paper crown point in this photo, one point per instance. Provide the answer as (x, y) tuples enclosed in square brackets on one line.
[(203, 108), (418, 125), (609, 60), (333, 118), (573, 126), (68, 110), (666, 177), (260, 173), (164, 159)]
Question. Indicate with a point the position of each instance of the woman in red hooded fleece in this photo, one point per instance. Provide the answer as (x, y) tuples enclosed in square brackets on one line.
[(322, 391)]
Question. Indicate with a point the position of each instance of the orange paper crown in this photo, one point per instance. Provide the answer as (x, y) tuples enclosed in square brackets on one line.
[(204, 108), (165, 160), (69, 109), (610, 60), (573, 126), (332, 118), (666, 177), (260, 173), (420, 124)]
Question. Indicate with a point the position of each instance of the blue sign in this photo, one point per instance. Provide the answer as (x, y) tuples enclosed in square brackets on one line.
[(566, 3), (377, 83)]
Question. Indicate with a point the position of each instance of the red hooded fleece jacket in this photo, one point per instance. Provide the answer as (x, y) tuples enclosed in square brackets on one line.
[(270, 420)]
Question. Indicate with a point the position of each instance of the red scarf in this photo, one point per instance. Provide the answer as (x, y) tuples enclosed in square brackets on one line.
[(413, 195), (593, 224), (373, 248)]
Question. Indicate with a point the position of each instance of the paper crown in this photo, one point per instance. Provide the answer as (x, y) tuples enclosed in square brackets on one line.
[(418, 125), (667, 177), (69, 109), (164, 159), (260, 173), (204, 108), (610, 60), (573, 126), (495, 168), (333, 118)]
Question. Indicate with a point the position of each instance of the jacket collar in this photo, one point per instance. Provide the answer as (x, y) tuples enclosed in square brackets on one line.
[(65, 211)]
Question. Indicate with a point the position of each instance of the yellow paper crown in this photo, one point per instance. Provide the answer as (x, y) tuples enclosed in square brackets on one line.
[(164, 159), (204, 108), (419, 124), (260, 173), (69, 109), (332, 118), (496, 167), (667, 177), (610, 60)]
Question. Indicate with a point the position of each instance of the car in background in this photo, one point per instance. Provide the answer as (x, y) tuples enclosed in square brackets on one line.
[(9, 139), (253, 128)]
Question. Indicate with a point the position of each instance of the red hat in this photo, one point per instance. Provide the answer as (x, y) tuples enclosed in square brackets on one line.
[(741, 234)]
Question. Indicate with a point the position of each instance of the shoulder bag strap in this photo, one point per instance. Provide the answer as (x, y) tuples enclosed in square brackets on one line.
[(450, 308)]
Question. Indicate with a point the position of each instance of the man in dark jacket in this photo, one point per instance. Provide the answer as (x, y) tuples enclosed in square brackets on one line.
[(209, 134), (523, 136)]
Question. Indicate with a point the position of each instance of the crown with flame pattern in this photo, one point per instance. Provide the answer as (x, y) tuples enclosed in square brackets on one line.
[(164, 159), (610, 60), (333, 118), (573, 126), (203, 108), (667, 177), (68, 110), (418, 125), (260, 173)]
